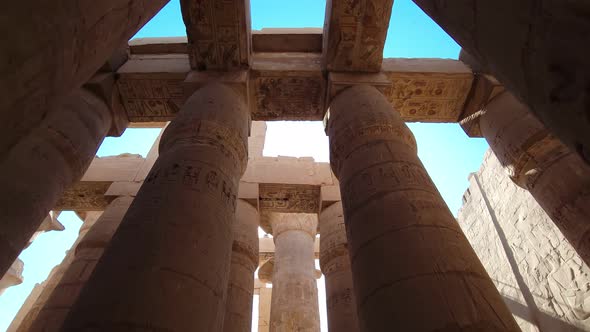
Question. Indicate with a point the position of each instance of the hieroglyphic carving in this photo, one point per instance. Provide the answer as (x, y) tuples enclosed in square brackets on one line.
[(354, 34), (428, 97), (292, 198), (151, 99), (85, 196), (287, 96), (218, 33)]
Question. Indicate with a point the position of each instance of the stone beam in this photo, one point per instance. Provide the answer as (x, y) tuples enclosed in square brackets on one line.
[(538, 50), (218, 33), (291, 86), (354, 34), (287, 40)]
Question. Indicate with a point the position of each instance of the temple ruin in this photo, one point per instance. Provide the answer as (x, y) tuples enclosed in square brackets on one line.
[(170, 241)]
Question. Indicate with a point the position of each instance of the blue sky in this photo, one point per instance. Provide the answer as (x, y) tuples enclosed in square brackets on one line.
[(448, 154)]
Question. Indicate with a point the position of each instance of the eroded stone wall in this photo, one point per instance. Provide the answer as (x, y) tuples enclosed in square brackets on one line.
[(540, 276)]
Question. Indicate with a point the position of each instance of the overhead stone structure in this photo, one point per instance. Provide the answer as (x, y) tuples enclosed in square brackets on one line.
[(392, 209), (392, 254)]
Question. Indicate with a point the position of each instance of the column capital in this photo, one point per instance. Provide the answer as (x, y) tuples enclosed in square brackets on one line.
[(284, 222)]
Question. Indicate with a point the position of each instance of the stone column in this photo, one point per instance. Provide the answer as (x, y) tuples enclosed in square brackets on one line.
[(37, 170), (13, 277), (75, 275), (412, 267), (244, 260), (295, 293), (557, 178), (39, 73), (55, 276), (335, 264), (264, 300), (167, 266)]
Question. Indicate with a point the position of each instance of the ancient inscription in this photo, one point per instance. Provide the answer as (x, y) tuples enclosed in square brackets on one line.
[(356, 34), (151, 100), (290, 96), (426, 97), (289, 198), (218, 33), (384, 178), (85, 196)]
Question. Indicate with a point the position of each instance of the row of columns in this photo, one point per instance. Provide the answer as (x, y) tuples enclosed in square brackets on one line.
[(168, 264)]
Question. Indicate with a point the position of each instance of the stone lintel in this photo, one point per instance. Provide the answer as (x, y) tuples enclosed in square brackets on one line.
[(485, 87), (218, 33), (151, 86), (286, 198), (354, 34), (85, 196), (237, 80), (286, 86), (158, 45), (287, 40)]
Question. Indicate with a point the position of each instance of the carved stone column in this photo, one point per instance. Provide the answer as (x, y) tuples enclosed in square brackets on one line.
[(244, 260), (557, 178), (412, 267), (167, 266), (57, 273), (335, 264), (295, 293), (264, 301), (38, 169), (75, 275)]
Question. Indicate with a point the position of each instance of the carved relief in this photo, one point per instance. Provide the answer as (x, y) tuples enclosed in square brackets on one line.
[(218, 33), (287, 96), (356, 34), (427, 97), (151, 100), (85, 196), (289, 198)]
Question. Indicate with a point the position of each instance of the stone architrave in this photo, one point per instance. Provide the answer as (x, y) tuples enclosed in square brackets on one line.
[(38, 169), (75, 275), (556, 177), (539, 51), (335, 265), (56, 275), (412, 267), (167, 266), (66, 44), (294, 294), (244, 260)]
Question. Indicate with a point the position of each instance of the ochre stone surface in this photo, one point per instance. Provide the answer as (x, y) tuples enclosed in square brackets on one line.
[(75, 275), (294, 290), (264, 301), (536, 160), (42, 165), (412, 266), (56, 275), (540, 276), (167, 266), (244, 260), (14, 276), (537, 50), (40, 66), (335, 264)]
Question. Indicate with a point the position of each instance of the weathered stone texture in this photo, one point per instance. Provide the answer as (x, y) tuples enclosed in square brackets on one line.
[(412, 266), (538, 50), (12, 277), (167, 265), (38, 169), (539, 274)]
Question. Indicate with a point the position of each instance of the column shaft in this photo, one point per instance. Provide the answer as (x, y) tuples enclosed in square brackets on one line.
[(294, 294), (557, 178), (244, 260), (412, 267), (57, 273), (335, 264), (37, 170), (167, 266), (264, 301), (39, 73), (76, 274)]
